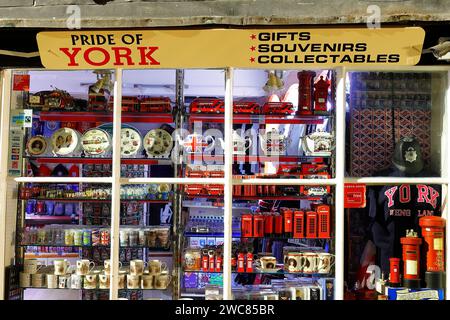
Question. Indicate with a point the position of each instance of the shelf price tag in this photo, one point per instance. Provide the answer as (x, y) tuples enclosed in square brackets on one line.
[(354, 195)]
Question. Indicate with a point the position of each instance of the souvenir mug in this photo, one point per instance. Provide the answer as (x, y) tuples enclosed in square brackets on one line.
[(162, 280), (76, 281), (83, 267), (240, 144), (124, 238), (104, 281), (310, 263), (294, 262), (61, 266), (64, 281), (266, 263), (122, 279), (90, 281), (137, 267), (133, 281), (107, 266), (156, 266), (31, 266), (325, 262), (38, 280), (25, 280), (147, 281), (52, 281)]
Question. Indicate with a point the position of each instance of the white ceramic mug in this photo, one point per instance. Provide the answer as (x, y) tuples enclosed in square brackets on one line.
[(76, 281), (156, 266), (64, 281), (162, 281), (325, 262), (107, 266), (311, 262), (90, 281), (294, 262), (52, 281), (25, 280), (137, 267), (61, 266), (38, 280), (122, 280), (104, 281), (133, 281), (31, 266), (266, 263), (84, 267), (147, 281)]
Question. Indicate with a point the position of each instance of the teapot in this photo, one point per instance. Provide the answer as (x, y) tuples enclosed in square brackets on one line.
[(240, 144), (319, 143), (273, 143), (196, 143)]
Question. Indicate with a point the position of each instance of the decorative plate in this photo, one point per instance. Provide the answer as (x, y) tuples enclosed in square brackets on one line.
[(131, 142), (96, 142), (158, 142), (65, 141), (37, 145)]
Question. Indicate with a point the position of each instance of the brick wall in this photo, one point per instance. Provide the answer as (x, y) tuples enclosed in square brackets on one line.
[(148, 13)]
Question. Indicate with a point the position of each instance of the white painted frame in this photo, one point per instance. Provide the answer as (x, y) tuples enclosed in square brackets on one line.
[(338, 182)]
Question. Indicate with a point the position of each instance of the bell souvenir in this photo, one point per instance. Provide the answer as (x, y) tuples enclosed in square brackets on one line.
[(319, 143)]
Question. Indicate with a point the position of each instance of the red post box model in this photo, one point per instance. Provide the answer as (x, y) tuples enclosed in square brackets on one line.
[(321, 95), (433, 232), (394, 275), (411, 259), (305, 92)]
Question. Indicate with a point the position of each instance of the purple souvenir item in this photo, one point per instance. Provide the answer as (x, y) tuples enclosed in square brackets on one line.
[(58, 210), (69, 209), (49, 208), (30, 207)]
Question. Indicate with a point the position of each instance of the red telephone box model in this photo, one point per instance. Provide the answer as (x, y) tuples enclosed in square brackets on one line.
[(305, 92), (321, 96)]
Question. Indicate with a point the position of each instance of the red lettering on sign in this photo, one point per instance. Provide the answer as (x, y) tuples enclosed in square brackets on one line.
[(389, 193), (405, 193), (122, 52), (422, 193), (71, 56), (433, 196), (146, 54), (99, 49)]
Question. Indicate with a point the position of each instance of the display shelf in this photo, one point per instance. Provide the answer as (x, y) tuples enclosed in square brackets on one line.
[(50, 255), (260, 158), (280, 272), (261, 119), (98, 160), (96, 289), (96, 200), (96, 246), (238, 235), (43, 219), (256, 198), (103, 116)]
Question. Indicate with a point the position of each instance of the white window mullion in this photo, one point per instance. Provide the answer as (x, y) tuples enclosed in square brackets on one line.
[(4, 141), (228, 188), (339, 190), (115, 187), (446, 214)]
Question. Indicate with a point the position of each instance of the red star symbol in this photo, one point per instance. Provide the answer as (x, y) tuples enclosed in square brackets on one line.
[(252, 59), (253, 36), (253, 48)]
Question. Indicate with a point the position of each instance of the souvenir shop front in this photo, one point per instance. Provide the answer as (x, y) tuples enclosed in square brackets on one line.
[(247, 164)]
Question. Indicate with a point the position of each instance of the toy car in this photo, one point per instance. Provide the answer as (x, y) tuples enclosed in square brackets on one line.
[(52, 100), (282, 108), (155, 104), (207, 105)]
